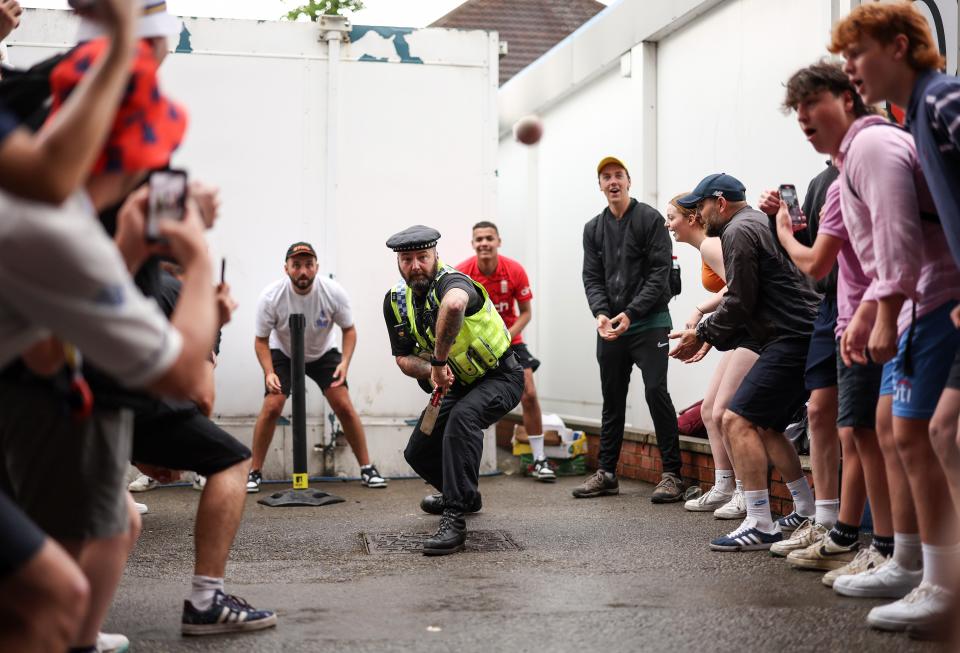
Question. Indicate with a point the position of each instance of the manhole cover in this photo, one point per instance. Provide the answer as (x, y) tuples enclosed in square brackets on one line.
[(482, 541)]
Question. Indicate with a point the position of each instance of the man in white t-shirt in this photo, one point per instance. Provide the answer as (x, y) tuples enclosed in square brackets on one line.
[(324, 303)]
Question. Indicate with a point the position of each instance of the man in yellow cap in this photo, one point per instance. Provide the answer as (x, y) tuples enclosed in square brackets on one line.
[(627, 256)]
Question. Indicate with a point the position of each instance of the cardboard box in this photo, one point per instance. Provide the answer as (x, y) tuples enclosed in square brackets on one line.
[(550, 437)]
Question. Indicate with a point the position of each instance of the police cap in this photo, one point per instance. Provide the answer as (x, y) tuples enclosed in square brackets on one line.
[(413, 238)]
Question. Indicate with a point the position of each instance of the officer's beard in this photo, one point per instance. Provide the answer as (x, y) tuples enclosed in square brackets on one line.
[(419, 282)]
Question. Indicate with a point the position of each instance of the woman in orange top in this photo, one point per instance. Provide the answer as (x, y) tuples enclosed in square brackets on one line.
[(725, 499)]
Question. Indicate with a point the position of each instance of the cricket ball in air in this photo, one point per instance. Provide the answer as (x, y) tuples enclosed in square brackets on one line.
[(528, 130)]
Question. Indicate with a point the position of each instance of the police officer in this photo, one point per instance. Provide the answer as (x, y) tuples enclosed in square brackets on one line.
[(444, 330)]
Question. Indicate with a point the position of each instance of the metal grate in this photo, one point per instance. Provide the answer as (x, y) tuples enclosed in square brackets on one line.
[(479, 541)]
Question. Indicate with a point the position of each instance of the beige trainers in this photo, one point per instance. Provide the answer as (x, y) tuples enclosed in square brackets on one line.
[(825, 554), (808, 533), (865, 560), (597, 485)]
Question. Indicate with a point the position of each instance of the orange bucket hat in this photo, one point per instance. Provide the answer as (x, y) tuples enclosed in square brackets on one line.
[(148, 126)]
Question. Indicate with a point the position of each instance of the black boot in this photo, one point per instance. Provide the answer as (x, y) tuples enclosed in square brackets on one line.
[(433, 504), (450, 537)]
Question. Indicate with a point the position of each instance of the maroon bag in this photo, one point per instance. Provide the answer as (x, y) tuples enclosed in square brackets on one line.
[(689, 421)]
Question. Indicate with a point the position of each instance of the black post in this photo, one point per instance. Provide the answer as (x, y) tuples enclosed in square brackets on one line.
[(301, 494), (298, 394)]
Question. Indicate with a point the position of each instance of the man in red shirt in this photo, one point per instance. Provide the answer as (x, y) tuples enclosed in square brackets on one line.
[(506, 283)]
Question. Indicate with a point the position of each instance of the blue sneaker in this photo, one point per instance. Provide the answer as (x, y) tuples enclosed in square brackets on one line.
[(747, 538), (792, 522), (227, 614)]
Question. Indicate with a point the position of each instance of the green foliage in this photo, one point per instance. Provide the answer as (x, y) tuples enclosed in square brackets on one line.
[(314, 9)]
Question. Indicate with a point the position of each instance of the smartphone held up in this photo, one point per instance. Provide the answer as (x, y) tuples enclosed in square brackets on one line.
[(167, 200), (788, 193)]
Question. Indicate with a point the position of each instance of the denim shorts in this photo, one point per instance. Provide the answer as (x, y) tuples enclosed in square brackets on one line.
[(934, 347)]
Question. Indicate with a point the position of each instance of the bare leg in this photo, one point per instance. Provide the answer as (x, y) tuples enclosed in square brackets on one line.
[(532, 417), (928, 485), (264, 428), (901, 499), (748, 450), (710, 417), (875, 477), (43, 603), (782, 455), (853, 492), (339, 400), (943, 434), (218, 517), (824, 442), (102, 562), (741, 361)]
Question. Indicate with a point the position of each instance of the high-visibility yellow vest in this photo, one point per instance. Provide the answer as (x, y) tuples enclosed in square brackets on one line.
[(482, 340)]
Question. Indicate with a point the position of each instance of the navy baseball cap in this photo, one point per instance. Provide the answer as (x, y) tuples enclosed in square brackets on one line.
[(716, 185)]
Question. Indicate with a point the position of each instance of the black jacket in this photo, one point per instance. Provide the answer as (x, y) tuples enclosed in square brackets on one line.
[(626, 262), (766, 293)]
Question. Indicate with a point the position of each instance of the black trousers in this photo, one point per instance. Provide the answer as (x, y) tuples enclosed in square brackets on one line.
[(648, 350), (449, 458)]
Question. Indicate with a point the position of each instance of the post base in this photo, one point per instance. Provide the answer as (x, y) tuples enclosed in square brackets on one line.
[(306, 497)]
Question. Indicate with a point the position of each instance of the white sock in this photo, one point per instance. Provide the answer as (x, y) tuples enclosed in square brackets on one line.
[(723, 480), (536, 445), (828, 512), (802, 497), (758, 508), (739, 486), (940, 564), (907, 550), (204, 587)]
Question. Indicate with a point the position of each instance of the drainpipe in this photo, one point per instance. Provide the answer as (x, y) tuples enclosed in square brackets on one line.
[(333, 30)]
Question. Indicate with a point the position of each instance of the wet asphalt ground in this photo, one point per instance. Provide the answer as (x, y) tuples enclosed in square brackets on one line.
[(609, 574)]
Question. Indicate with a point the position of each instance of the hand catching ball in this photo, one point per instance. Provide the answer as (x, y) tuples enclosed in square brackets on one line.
[(528, 130)]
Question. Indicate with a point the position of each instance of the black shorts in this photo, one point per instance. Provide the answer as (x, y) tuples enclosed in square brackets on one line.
[(953, 380), (185, 440), (320, 370), (858, 389), (821, 368), (21, 538), (524, 357), (773, 390)]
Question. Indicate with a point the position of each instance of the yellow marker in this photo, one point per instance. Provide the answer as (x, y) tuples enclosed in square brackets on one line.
[(300, 482)]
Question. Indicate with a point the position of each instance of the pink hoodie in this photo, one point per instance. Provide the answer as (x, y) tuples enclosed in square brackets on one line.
[(901, 253)]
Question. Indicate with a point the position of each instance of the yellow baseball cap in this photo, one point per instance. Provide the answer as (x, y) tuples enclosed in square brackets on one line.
[(611, 159)]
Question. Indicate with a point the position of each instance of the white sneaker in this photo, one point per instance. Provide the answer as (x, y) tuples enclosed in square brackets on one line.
[(199, 482), (709, 502), (890, 581), (808, 534), (865, 560), (142, 483), (141, 508), (735, 508), (923, 608), (112, 643)]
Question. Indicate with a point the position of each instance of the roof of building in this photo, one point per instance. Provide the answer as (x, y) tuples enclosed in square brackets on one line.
[(530, 27)]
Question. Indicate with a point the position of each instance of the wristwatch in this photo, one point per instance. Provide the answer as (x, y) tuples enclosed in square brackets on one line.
[(437, 363)]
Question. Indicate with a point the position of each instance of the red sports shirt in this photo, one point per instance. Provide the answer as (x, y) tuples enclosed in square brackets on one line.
[(507, 285)]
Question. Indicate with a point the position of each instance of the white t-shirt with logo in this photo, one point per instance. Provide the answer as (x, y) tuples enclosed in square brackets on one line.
[(326, 304)]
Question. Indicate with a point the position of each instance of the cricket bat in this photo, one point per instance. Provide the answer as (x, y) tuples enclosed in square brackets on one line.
[(430, 414)]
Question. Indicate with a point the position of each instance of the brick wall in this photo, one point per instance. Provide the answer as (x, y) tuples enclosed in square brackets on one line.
[(640, 460)]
